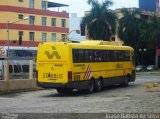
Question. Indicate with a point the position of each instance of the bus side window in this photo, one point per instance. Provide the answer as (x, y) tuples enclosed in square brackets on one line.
[(118, 55), (127, 55), (121, 56), (112, 56), (75, 56), (88, 55), (97, 55), (133, 58), (105, 55), (81, 55), (91, 55), (108, 55), (100, 55), (115, 56)]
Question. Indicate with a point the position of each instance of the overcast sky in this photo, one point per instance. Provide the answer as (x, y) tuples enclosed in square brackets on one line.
[(79, 6)]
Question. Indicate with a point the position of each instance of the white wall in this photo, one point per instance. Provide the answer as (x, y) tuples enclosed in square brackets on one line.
[(74, 24)]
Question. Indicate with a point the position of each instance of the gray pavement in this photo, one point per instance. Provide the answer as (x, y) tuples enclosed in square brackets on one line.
[(115, 99)]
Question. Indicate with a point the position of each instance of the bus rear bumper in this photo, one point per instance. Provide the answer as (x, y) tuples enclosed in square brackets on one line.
[(50, 85), (73, 85)]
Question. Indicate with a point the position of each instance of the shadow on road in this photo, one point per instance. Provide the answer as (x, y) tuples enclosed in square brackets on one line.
[(84, 94), (75, 93)]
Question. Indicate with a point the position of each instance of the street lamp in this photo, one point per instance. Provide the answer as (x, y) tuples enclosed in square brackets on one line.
[(8, 28), (77, 31), (142, 52)]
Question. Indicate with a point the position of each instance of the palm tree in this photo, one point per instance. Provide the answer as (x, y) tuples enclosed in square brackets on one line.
[(101, 21)]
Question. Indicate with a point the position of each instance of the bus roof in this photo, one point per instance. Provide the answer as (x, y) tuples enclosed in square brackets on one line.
[(93, 45), (97, 44), (100, 42)]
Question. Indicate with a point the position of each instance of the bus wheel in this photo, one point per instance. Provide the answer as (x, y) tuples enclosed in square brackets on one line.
[(90, 88), (126, 82), (98, 85), (64, 90)]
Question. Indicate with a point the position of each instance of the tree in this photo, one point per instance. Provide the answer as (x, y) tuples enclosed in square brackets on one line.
[(131, 28), (154, 35), (133, 31), (139, 33), (101, 21)]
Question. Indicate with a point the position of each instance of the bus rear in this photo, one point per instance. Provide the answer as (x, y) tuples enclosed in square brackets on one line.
[(52, 65)]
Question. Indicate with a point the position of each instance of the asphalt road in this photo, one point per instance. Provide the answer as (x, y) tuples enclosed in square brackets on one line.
[(135, 98)]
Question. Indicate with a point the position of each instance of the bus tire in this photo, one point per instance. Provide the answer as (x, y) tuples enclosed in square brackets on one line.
[(64, 90), (90, 87), (98, 85), (126, 82)]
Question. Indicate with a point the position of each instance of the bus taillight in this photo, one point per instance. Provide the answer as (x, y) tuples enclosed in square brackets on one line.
[(70, 76)]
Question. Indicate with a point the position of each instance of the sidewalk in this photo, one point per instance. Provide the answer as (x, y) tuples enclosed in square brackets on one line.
[(148, 72)]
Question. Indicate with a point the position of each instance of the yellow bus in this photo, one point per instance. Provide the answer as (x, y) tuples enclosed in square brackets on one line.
[(89, 65)]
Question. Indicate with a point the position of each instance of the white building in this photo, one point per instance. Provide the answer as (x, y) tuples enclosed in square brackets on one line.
[(74, 24)]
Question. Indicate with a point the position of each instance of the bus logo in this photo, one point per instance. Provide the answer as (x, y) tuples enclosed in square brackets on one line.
[(53, 54)]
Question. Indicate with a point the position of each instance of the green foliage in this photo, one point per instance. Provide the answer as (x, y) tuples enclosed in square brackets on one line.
[(101, 22), (132, 29), (154, 31), (137, 32), (140, 33)]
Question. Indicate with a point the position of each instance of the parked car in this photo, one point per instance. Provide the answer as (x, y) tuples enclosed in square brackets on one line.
[(151, 67), (140, 68)]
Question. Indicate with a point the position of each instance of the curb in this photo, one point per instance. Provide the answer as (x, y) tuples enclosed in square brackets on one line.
[(19, 91), (140, 73)]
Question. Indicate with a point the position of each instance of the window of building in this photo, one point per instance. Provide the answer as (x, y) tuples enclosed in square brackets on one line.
[(44, 21), (31, 20), (63, 23), (31, 36), (53, 37), (53, 22), (44, 37), (10, 69), (20, 16), (25, 68), (17, 68), (31, 3), (20, 0), (44, 5), (20, 33), (63, 37)]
